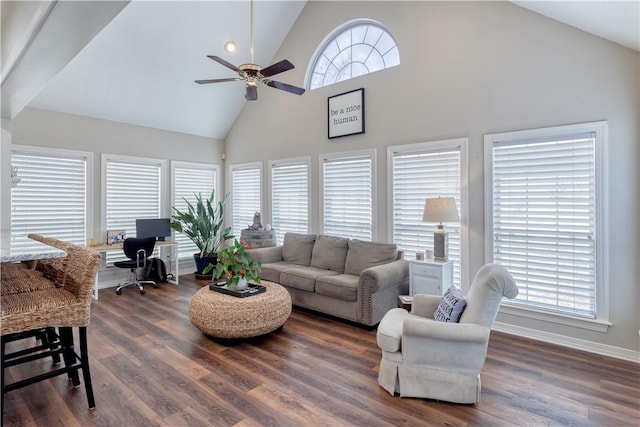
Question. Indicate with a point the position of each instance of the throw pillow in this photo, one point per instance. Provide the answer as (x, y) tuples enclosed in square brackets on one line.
[(362, 255), (329, 253), (451, 306), (297, 248)]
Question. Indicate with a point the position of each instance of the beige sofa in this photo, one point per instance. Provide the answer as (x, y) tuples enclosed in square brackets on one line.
[(351, 279)]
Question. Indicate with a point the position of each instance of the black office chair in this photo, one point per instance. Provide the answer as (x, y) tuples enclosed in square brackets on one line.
[(137, 250)]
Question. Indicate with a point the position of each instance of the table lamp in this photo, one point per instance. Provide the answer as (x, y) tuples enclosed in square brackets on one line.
[(441, 209)]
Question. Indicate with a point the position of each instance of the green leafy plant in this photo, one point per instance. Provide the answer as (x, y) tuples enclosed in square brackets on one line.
[(203, 223), (235, 263)]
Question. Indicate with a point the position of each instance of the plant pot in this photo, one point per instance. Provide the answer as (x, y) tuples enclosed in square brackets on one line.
[(242, 284), (202, 262)]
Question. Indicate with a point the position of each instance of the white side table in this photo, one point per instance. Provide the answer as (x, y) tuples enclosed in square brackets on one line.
[(430, 277)]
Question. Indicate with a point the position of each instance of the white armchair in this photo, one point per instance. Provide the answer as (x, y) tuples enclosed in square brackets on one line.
[(437, 360)]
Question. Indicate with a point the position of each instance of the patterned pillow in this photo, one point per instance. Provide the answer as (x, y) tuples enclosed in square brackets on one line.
[(451, 306)]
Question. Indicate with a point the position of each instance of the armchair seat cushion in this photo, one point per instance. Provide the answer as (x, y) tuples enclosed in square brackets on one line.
[(342, 286), (303, 278), (389, 335)]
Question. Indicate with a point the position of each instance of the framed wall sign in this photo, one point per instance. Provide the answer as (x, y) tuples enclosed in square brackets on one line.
[(346, 113)]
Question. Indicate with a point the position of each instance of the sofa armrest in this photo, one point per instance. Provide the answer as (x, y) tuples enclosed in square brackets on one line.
[(386, 275), (266, 255), (378, 290)]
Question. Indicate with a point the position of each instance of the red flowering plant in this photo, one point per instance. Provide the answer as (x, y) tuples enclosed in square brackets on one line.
[(235, 263)]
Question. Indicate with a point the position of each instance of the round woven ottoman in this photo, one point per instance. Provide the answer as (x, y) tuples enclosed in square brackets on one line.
[(225, 316)]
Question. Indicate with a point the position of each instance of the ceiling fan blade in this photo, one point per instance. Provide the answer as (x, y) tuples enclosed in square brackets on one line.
[(284, 86), (277, 68), (231, 79), (225, 63), (252, 93)]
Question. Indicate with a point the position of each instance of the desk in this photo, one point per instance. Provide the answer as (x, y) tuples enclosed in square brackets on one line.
[(161, 244), (18, 249)]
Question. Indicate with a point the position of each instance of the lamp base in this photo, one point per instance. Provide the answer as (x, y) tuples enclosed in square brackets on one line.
[(440, 244)]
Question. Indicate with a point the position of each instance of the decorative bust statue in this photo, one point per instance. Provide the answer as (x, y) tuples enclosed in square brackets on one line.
[(257, 222)]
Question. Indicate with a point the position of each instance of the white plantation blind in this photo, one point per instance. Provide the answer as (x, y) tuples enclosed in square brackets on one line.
[(544, 220), (290, 198), (347, 196), (51, 198), (133, 190), (245, 182), (418, 175), (187, 182)]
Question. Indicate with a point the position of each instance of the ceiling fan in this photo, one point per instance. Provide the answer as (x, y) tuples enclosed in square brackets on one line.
[(254, 74)]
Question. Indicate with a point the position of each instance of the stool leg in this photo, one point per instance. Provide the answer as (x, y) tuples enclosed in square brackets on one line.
[(68, 353), (84, 361), (2, 344), (52, 340)]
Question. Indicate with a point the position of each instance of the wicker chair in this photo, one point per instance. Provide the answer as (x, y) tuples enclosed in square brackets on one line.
[(64, 304)]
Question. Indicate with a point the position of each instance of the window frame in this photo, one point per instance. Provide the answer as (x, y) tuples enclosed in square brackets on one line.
[(89, 178), (434, 146), (105, 158), (191, 165), (284, 162), (600, 128), (244, 166), (322, 46), (374, 178)]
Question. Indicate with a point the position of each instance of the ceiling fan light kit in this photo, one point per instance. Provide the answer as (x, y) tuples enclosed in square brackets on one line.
[(230, 46), (253, 74)]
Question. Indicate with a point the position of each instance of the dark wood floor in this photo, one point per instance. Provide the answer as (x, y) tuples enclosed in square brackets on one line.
[(151, 367)]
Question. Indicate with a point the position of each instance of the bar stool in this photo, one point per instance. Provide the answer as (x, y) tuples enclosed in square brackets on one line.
[(53, 312)]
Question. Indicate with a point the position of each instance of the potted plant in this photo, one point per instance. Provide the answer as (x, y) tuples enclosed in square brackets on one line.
[(236, 266), (203, 224)]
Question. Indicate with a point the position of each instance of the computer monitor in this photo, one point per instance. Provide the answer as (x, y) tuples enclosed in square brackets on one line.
[(153, 227)]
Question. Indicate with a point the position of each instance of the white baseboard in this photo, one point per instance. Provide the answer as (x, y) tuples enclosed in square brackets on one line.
[(575, 343)]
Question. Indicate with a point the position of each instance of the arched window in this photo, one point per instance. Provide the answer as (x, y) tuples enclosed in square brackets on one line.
[(355, 48)]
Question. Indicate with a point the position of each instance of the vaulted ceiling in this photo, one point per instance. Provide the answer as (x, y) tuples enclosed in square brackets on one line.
[(136, 62)]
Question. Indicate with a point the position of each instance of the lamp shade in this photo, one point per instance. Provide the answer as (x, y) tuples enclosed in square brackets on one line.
[(441, 209)]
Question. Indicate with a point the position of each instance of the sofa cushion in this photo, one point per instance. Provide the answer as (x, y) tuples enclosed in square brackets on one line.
[(303, 278), (362, 255), (271, 271), (342, 286), (451, 306), (297, 248), (330, 252)]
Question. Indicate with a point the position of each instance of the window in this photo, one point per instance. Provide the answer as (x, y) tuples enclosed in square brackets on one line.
[(347, 195), (418, 172), (51, 197), (289, 197), (133, 189), (545, 216), (245, 191), (190, 179), (354, 49)]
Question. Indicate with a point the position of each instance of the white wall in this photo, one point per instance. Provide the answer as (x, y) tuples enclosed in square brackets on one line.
[(66, 131), (468, 69)]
